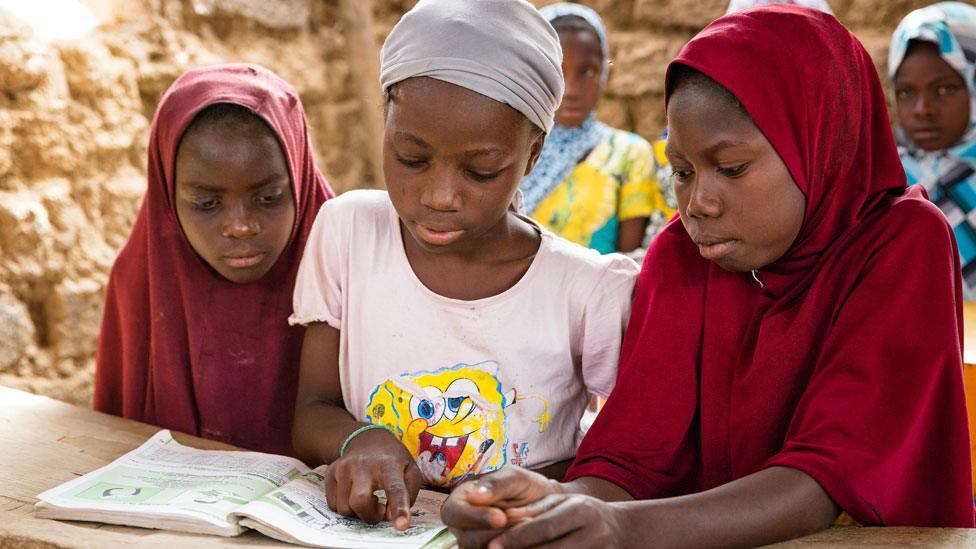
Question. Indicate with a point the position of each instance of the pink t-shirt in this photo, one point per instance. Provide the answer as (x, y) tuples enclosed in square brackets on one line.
[(468, 386)]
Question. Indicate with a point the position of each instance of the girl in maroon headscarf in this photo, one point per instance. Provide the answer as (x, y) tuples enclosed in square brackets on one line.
[(195, 334), (794, 349)]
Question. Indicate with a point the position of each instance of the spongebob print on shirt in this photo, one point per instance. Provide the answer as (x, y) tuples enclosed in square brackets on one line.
[(452, 420)]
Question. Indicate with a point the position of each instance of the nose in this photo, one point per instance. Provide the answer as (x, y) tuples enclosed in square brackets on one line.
[(923, 105), (571, 83), (440, 191), (703, 199), (240, 222)]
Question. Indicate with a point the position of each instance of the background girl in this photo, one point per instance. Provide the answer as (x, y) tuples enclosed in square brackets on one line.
[(931, 63), (593, 184)]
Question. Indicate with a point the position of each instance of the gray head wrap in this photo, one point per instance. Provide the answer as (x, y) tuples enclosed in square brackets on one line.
[(502, 49), (592, 18), (739, 5)]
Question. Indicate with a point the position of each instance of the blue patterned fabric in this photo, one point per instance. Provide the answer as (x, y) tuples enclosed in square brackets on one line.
[(948, 175), (563, 150)]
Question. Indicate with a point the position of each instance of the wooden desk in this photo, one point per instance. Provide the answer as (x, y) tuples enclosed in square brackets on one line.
[(969, 333), (44, 442), (969, 374)]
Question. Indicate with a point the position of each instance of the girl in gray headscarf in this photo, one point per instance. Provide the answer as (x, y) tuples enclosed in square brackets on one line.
[(447, 335)]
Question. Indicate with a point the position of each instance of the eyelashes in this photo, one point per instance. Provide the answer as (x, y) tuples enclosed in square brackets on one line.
[(419, 164)]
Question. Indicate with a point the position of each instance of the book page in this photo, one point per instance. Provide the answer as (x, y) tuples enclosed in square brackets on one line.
[(298, 513), (163, 478)]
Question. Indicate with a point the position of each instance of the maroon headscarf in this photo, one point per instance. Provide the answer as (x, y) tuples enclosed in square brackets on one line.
[(181, 346), (847, 365)]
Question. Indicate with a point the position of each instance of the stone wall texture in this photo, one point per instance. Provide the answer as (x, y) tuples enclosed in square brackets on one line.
[(74, 120)]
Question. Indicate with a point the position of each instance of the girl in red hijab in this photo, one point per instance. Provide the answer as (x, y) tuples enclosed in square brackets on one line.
[(195, 334), (794, 350)]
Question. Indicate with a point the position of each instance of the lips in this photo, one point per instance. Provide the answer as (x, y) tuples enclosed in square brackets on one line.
[(714, 248), (244, 259), (442, 451), (572, 112), (925, 134), (437, 236)]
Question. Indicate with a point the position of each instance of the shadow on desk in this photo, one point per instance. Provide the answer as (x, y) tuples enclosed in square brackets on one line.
[(44, 443)]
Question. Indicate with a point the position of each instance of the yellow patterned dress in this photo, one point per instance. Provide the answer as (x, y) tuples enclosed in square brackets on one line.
[(615, 182)]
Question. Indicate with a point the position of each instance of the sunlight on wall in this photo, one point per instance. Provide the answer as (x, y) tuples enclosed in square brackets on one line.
[(53, 19)]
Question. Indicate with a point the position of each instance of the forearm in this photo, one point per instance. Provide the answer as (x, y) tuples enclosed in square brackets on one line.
[(319, 430), (556, 470), (630, 234), (321, 421), (596, 487), (771, 505)]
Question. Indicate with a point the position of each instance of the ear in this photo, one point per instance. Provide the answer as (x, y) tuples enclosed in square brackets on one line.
[(535, 149)]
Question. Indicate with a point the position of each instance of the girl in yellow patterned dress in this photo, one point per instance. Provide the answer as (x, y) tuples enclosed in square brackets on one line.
[(593, 185)]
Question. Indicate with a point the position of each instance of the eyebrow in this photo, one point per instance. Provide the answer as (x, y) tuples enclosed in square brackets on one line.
[(411, 138), (723, 144), (948, 76), (484, 151), (947, 79), (253, 186)]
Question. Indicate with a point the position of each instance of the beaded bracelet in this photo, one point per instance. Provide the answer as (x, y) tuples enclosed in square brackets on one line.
[(361, 430)]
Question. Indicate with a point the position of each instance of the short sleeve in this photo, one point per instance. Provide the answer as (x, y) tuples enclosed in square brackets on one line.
[(886, 442), (640, 194), (605, 317), (318, 287)]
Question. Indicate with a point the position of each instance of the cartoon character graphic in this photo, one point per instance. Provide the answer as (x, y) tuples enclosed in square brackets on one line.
[(451, 420), (520, 453)]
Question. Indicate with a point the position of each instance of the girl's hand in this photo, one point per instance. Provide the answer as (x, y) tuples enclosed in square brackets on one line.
[(476, 511), (564, 520), (374, 460)]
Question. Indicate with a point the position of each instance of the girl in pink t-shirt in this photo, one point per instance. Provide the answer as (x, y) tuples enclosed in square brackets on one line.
[(447, 335)]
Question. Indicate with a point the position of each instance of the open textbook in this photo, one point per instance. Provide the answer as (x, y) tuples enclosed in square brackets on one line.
[(165, 485)]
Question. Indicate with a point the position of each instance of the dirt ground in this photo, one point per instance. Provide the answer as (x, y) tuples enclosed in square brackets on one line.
[(74, 120)]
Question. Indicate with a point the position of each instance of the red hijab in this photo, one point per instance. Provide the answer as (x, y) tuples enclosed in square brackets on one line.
[(181, 346), (847, 365)]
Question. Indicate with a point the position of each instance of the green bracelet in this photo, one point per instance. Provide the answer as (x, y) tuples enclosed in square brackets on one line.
[(361, 430)]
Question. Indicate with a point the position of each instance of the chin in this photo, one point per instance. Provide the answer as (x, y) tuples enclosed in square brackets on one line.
[(736, 265), (573, 123), (244, 276), (932, 147), (732, 267), (239, 278)]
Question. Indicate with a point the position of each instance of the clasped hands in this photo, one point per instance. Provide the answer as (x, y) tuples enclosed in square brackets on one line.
[(514, 508)]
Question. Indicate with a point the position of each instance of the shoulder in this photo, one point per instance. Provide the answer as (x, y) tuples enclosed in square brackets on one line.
[(354, 219), (629, 141), (578, 262), (907, 232), (357, 207), (912, 216), (360, 201), (131, 262)]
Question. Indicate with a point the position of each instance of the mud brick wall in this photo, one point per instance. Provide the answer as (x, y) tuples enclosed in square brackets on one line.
[(74, 121)]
